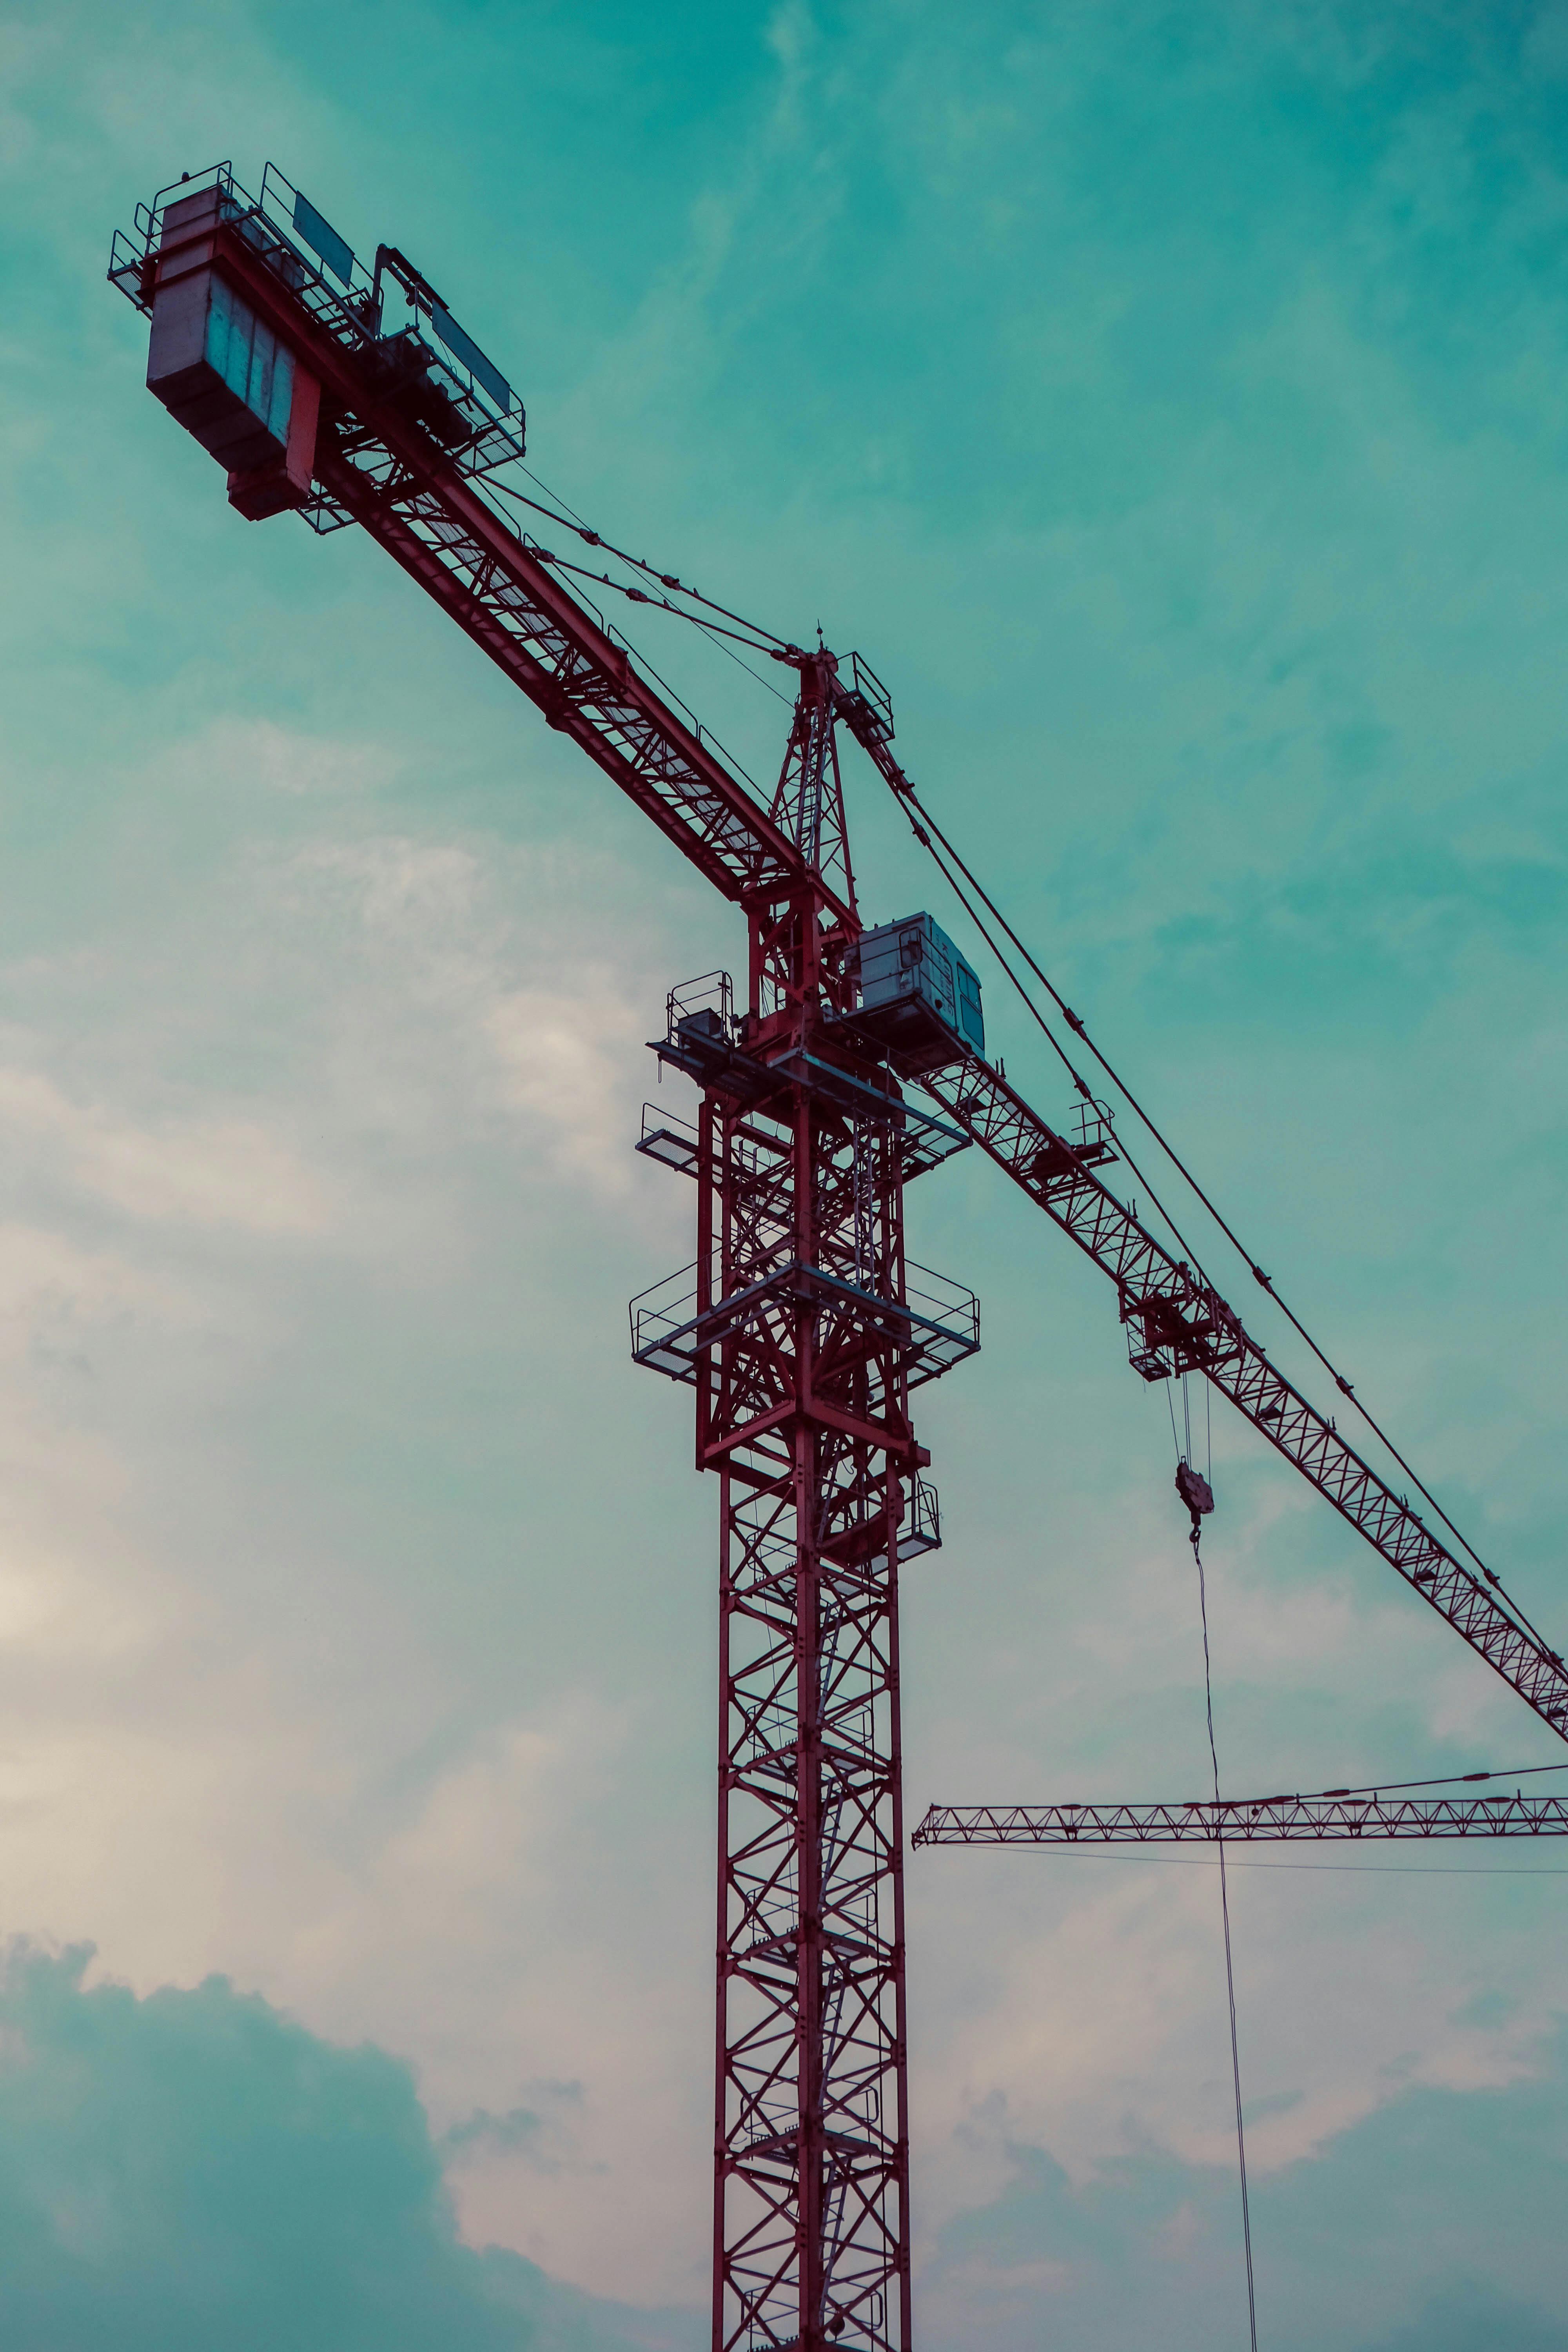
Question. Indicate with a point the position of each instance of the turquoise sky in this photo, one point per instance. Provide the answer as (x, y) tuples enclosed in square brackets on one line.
[(1170, 402)]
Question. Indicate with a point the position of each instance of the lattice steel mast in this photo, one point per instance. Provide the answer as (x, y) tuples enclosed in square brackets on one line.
[(799, 1334)]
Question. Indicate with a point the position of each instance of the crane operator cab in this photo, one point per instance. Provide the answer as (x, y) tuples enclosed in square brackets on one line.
[(919, 999)]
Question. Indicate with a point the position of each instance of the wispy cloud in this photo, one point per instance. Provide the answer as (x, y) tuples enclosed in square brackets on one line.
[(210, 1171)]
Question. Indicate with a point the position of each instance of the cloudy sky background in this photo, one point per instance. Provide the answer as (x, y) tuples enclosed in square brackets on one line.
[(1170, 402)]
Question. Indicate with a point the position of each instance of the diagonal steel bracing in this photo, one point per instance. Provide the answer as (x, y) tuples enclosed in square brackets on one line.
[(1245, 1820), (1178, 1322), (802, 1330)]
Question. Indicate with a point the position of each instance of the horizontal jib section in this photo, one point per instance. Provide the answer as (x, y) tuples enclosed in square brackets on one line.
[(221, 371)]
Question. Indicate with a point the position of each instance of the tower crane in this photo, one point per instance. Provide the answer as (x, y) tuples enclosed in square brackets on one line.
[(855, 1064)]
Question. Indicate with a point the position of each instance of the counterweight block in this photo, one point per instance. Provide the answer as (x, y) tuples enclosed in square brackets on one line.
[(222, 373)]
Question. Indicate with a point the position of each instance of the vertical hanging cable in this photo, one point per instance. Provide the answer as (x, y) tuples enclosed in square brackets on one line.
[(1229, 1973)]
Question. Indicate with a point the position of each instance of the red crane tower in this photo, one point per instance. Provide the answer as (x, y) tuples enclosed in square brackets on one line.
[(800, 1326), (802, 1330)]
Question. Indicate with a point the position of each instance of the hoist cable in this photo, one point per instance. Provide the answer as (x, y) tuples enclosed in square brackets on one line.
[(1380, 1787), (570, 520), (641, 596), (1229, 1971), (1033, 1010), (1080, 1029), (905, 791), (759, 639), (719, 636), (1443, 1780), (1054, 1042)]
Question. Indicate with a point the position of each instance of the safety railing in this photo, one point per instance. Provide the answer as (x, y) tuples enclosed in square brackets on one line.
[(930, 1328)]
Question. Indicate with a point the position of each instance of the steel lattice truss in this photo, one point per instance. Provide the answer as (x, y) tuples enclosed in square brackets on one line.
[(377, 467), (803, 1330), (1177, 1323), (1245, 1820), (805, 1349), (802, 1403), (496, 586)]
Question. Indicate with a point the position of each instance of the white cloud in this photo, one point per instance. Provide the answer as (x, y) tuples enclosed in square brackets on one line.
[(534, 1025), (241, 1747), (1100, 2033), (204, 1171), (285, 760), (48, 1284), (564, 1060)]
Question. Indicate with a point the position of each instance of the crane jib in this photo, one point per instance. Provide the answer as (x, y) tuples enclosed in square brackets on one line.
[(1179, 1323)]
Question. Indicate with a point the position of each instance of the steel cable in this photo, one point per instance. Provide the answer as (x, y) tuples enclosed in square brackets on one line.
[(759, 639), (1229, 1969), (1189, 1256), (905, 791), (766, 640)]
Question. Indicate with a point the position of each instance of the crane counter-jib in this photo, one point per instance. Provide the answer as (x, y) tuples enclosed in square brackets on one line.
[(308, 406)]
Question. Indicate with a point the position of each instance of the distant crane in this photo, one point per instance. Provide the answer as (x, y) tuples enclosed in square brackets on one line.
[(1248, 1820), (800, 1326)]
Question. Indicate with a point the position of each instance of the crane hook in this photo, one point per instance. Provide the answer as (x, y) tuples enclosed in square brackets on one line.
[(1197, 1493)]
